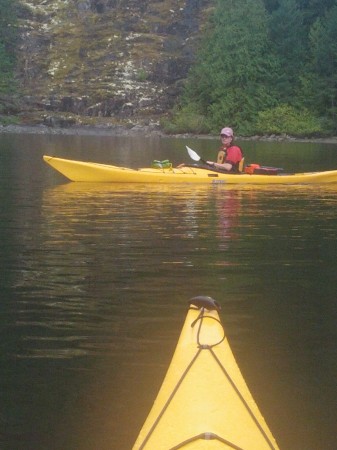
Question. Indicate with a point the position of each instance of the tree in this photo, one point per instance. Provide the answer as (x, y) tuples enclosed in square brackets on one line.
[(323, 39), (288, 36), (271, 5), (232, 79), (314, 9)]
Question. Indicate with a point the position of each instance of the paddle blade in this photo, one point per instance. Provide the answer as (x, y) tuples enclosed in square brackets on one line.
[(193, 154)]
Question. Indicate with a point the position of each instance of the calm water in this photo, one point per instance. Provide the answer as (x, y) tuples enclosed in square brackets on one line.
[(95, 280)]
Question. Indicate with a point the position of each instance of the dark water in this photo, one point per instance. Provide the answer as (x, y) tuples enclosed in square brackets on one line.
[(95, 280)]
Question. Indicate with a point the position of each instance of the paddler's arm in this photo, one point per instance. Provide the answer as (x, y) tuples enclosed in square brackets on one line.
[(225, 166)]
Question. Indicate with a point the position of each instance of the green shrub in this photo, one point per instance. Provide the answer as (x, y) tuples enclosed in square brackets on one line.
[(141, 75), (285, 119), (185, 120), (9, 120)]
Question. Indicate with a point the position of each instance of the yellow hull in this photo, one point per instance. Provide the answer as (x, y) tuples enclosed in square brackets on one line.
[(204, 402), (103, 173)]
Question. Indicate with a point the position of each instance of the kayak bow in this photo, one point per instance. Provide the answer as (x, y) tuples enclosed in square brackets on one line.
[(204, 402)]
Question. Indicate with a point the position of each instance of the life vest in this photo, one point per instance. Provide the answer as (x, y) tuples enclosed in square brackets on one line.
[(234, 159)]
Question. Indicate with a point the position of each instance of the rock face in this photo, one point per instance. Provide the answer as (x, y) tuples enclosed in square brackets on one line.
[(109, 60)]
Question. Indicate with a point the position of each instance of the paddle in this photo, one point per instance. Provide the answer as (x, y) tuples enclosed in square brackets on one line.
[(195, 156)]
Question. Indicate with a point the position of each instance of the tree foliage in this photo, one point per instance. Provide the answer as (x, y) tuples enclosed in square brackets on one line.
[(274, 60), (232, 69), (323, 40), (287, 35)]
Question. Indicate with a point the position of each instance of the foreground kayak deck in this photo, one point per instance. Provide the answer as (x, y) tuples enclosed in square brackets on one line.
[(204, 402), (103, 173)]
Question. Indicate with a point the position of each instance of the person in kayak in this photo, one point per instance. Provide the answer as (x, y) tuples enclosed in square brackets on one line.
[(229, 155)]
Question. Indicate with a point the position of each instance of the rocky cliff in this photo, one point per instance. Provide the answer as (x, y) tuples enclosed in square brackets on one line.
[(89, 61)]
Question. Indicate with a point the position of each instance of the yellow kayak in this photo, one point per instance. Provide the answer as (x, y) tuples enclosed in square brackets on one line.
[(204, 402), (103, 173)]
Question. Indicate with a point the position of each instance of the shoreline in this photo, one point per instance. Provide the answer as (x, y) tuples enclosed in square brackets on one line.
[(141, 130)]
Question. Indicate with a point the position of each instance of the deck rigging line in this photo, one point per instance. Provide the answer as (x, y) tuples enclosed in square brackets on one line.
[(206, 435)]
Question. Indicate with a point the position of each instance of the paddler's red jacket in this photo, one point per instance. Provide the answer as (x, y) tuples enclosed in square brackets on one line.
[(232, 155)]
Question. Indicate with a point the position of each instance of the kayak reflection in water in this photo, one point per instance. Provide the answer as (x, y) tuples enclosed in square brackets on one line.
[(229, 155)]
